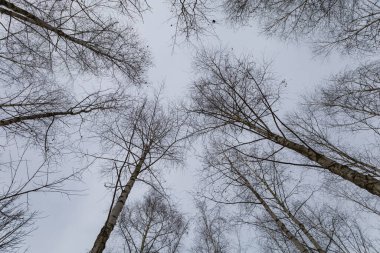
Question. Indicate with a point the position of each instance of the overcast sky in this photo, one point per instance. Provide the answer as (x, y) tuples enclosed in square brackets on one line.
[(71, 225)]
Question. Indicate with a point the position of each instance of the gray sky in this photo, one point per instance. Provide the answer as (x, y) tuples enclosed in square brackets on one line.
[(71, 224)]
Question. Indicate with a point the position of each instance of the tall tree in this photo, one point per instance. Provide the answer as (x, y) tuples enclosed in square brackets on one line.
[(42, 42), (282, 207), (141, 138), (40, 39), (37, 110), (45, 35), (235, 95)]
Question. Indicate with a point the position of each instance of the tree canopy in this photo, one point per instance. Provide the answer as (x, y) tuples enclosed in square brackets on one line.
[(77, 97)]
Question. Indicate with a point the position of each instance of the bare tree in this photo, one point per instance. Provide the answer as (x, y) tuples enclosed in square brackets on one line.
[(341, 119), (39, 37), (19, 178), (235, 95), (39, 115), (350, 99), (45, 35), (193, 18), (211, 230), (151, 225), (42, 41), (137, 141), (230, 170), (340, 230), (36, 111), (288, 222), (38, 118), (348, 25), (15, 224)]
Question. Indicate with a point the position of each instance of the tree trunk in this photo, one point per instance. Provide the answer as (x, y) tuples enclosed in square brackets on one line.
[(21, 14), (105, 232), (297, 222), (291, 237), (18, 119), (365, 182)]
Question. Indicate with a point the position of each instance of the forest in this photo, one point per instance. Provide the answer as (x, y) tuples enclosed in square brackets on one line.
[(200, 126)]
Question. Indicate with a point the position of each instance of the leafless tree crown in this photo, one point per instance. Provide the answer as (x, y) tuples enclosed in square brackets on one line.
[(76, 35), (152, 225)]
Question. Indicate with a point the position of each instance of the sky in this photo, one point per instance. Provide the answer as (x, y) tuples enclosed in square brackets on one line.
[(70, 224)]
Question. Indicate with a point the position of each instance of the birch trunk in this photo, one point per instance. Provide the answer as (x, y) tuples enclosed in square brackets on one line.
[(18, 119), (366, 182), (297, 222), (291, 237), (16, 12), (105, 232)]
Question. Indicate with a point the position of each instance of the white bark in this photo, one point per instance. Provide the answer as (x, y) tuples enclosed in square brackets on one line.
[(365, 182), (105, 232)]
